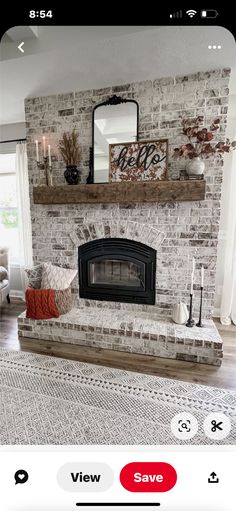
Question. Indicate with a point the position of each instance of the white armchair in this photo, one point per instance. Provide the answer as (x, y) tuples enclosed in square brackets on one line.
[(5, 283)]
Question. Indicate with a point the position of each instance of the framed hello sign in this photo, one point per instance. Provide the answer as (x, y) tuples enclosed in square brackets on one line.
[(144, 160)]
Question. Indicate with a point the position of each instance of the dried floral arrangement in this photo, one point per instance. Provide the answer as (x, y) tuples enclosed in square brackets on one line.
[(200, 138), (69, 148)]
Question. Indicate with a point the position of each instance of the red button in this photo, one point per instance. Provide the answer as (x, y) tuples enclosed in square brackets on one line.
[(148, 477)]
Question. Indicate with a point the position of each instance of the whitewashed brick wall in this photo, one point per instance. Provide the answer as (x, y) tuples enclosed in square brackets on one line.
[(190, 228)]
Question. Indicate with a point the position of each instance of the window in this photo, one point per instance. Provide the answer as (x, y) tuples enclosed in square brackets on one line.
[(9, 232)]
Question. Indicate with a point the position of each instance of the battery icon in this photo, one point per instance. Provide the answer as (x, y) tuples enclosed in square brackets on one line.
[(209, 13)]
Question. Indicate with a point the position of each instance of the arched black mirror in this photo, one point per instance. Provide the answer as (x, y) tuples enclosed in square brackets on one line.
[(113, 121)]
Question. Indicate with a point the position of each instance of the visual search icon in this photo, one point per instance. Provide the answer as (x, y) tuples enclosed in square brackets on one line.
[(21, 477), (184, 426)]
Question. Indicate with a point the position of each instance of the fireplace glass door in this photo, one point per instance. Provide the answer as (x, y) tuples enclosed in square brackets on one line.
[(116, 272), (116, 269)]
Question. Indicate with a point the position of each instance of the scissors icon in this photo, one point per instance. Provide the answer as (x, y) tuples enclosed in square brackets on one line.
[(216, 426)]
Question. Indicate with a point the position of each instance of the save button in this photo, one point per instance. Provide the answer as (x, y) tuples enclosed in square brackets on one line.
[(148, 477)]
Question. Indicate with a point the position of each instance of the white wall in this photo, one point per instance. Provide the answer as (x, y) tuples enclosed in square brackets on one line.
[(9, 132), (15, 281), (228, 159)]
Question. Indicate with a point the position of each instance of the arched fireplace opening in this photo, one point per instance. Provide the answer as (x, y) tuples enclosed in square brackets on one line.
[(117, 269)]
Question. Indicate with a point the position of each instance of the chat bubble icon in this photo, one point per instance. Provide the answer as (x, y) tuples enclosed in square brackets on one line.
[(21, 477)]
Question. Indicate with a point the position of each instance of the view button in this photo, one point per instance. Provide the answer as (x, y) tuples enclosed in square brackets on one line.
[(85, 477)]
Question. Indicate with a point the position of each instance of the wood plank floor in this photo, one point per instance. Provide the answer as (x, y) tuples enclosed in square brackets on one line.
[(223, 377)]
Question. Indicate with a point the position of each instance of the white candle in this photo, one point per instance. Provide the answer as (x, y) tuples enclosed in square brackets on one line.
[(37, 149), (44, 147), (192, 279), (49, 156), (202, 276)]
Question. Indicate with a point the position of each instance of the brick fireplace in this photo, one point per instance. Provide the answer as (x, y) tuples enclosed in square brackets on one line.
[(175, 231), (127, 327)]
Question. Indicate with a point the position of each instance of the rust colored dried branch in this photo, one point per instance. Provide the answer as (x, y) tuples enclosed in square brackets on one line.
[(199, 140)]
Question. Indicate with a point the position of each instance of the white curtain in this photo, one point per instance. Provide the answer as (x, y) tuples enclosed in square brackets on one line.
[(228, 302), (25, 231)]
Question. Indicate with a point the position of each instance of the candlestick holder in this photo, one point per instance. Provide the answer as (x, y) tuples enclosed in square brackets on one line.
[(190, 321), (47, 168), (199, 324)]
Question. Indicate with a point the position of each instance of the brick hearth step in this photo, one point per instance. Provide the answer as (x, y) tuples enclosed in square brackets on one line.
[(141, 333)]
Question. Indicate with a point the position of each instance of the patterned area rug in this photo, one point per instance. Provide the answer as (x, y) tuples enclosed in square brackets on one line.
[(46, 400)]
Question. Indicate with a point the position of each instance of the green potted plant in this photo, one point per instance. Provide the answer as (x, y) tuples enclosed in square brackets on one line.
[(71, 153), (199, 145)]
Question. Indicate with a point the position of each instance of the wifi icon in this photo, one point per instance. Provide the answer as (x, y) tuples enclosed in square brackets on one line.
[(191, 13)]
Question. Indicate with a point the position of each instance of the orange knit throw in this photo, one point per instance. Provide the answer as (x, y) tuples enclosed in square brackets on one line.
[(40, 304)]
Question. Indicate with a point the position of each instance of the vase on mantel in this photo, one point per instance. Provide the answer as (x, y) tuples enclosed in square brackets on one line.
[(72, 175), (195, 167)]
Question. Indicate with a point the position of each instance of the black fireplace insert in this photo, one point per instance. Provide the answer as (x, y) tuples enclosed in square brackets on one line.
[(117, 269)]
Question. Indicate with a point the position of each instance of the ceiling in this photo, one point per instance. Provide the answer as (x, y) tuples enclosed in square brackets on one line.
[(63, 59)]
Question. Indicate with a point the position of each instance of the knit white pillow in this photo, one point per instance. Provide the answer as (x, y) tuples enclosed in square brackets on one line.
[(55, 277)]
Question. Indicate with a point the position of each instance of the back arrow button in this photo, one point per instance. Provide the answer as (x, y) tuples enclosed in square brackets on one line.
[(20, 47)]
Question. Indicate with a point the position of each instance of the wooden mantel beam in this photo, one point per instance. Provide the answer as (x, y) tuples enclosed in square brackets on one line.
[(141, 191)]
